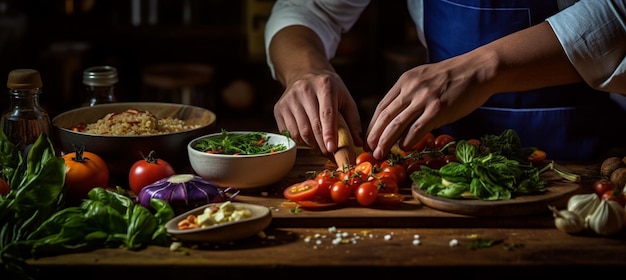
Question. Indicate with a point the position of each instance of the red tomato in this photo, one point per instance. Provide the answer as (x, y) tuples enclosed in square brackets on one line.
[(366, 157), (316, 203), (436, 163), (367, 194), (537, 157), (428, 141), (363, 170), (450, 158), (83, 172), (615, 195), (147, 171), (415, 165), (390, 198), (442, 140), (304, 190), (4, 187), (386, 185), (602, 186), (325, 181), (340, 192), (395, 168)]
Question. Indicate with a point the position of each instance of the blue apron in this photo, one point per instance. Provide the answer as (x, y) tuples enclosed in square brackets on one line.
[(570, 122)]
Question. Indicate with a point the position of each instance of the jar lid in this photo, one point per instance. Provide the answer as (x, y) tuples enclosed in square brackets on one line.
[(100, 76), (24, 79)]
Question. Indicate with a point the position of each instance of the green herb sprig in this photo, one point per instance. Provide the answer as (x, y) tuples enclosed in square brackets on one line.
[(253, 143)]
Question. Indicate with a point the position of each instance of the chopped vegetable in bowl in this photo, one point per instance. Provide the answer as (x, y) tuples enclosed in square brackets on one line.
[(252, 143)]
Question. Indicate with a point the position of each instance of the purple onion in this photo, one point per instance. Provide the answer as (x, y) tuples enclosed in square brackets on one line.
[(185, 192)]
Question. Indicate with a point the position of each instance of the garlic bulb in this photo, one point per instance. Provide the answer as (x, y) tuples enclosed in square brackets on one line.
[(583, 204), (608, 219), (567, 221)]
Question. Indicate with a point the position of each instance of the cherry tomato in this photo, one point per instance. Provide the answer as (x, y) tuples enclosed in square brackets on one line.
[(615, 195), (325, 181), (415, 165), (304, 190), (436, 163), (147, 171), (366, 193), (442, 140), (340, 192), (395, 168), (386, 185), (428, 141), (474, 142), (602, 186), (450, 158), (4, 187), (84, 171), (537, 157), (366, 157), (389, 198)]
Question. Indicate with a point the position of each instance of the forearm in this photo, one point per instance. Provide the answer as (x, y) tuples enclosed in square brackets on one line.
[(296, 51), (529, 59)]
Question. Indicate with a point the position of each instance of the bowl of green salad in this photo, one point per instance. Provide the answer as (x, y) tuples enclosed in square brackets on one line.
[(242, 159)]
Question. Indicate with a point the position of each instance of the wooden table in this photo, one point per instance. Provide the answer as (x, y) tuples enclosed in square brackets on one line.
[(373, 242)]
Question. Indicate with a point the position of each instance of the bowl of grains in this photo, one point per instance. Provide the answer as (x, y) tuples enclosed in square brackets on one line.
[(123, 133)]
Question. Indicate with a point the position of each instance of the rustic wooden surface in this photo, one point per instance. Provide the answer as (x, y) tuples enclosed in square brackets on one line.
[(301, 244)]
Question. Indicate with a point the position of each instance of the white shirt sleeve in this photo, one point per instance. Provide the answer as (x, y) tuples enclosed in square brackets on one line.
[(328, 18), (593, 35)]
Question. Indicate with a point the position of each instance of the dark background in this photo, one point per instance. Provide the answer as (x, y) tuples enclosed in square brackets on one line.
[(61, 38)]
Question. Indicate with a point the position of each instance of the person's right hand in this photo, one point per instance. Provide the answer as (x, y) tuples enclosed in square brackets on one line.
[(310, 107)]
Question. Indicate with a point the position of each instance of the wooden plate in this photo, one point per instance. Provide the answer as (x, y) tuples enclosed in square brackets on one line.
[(244, 228), (557, 194)]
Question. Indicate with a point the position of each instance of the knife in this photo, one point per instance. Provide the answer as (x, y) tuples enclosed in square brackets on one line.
[(345, 156)]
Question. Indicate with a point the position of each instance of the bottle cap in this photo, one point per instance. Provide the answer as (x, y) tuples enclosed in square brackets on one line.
[(24, 79), (100, 76)]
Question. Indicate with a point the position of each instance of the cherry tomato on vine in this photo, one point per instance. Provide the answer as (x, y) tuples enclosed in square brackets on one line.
[(396, 168), (304, 190), (386, 185), (600, 187), (366, 194), (366, 157), (415, 165), (443, 139), (340, 192), (428, 141), (84, 171), (615, 195), (147, 171), (4, 187), (325, 181), (436, 163)]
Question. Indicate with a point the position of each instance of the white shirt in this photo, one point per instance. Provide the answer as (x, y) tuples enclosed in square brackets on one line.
[(592, 32)]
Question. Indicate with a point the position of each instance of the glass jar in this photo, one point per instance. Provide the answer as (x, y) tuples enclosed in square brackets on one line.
[(25, 119), (100, 84)]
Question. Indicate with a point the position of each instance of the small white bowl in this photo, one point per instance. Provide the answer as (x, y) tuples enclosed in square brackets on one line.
[(244, 171), (231, 231)]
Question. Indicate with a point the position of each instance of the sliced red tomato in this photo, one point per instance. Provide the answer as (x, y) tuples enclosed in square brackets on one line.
[(304, 190), (390, 198), (363, 170), (317, 203)]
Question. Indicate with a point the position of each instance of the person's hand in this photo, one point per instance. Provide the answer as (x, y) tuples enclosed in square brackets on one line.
[(425, 98), (310, 107)]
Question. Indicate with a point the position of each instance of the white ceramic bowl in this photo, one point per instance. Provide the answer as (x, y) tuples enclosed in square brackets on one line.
[(244, 171)]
